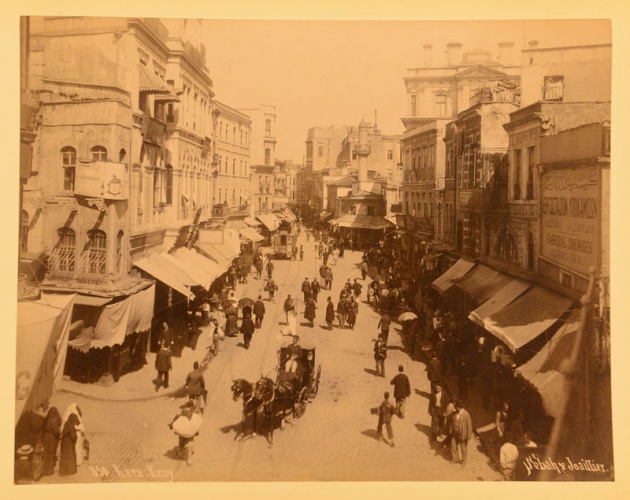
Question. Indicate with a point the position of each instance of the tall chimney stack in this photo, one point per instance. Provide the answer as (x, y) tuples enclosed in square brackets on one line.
[(505, 53), (453, 53), (427, 55)]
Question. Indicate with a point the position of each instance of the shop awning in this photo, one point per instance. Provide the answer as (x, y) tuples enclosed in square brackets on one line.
[(363, 222), (167, 272), (290, 214), (150, 83), (250, 221), (251, 234), (508, 293), (545, 370), (270, 221), (392, 219), (325, 215), (211, 250), (527, 317), (91, 300), (457, 270), (117, 320), (42, 336), (201, 269), (482, 282)]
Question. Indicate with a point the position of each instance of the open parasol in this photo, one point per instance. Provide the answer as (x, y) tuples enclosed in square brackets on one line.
[(187, 427), (245, 301), (407, 316)]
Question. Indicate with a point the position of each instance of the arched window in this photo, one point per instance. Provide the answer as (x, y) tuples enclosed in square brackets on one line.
[(69, 164), (97, 252), (219, 196), (234, 166), (122, 154), (24, 231), (233, 196), (119, 251), (99, 153), (168, 185), (62, 256)]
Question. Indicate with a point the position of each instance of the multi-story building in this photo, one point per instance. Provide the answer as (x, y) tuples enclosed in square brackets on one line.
[(443, 91), (123, 165), (232, 180), (532, 215), (285, 195), (565, 98), (323, 146), (436, 95), (423, 185)]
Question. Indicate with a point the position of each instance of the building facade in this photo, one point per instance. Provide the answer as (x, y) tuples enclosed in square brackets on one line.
[(122, 173), (232, 180)]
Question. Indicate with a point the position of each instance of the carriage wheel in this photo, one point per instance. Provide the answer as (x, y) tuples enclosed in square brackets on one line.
[(315, 383), (302, 402)]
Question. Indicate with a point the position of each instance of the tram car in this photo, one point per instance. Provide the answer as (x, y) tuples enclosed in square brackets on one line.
[(284, 240)]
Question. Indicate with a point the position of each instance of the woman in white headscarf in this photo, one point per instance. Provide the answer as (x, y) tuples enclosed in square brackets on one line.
[(73, 409)]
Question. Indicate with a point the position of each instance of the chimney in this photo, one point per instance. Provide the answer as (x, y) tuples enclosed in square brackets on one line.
[(505, 53), (453, 53), (532, 44), (427, 55)]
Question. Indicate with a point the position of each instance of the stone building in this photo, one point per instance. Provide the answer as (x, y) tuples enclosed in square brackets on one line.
[(232, 181), (122, 174)]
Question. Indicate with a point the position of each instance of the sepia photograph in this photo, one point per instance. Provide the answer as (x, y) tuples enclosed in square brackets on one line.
[(311, 250)]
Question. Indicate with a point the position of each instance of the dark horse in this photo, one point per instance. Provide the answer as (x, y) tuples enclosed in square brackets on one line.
[(277, 399), (241, 388)]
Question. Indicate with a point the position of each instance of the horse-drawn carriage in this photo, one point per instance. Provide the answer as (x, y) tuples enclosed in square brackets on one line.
[(297, 382)]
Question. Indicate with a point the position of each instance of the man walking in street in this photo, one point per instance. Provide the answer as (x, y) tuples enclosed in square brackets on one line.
[(322, 275), (288, 307), (384, 324), (356, 288), (271, 287), (259, 312), (196, 388), (434, 371), (461, 432), (329, 278), (380, 354), (247, 329), (306, 289), (315, 288), (385, 412), (166, 336), (402, 390), (330, 313), (269, 269), (163, 366)]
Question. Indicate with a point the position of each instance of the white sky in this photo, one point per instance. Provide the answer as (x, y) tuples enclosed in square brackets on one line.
[(321, 73)]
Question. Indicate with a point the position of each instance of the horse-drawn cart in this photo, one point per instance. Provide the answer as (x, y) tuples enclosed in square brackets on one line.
[(300, 372)]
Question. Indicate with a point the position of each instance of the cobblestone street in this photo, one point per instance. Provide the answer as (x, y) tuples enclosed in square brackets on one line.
[(334, 440)]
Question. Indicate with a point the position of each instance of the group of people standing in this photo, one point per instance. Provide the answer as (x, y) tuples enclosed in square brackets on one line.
[(54, 442)]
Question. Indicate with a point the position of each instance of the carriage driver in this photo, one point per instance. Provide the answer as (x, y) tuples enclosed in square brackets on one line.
[(294, 355)]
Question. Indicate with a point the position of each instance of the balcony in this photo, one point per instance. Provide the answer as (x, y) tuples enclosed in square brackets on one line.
[(497, 94)]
